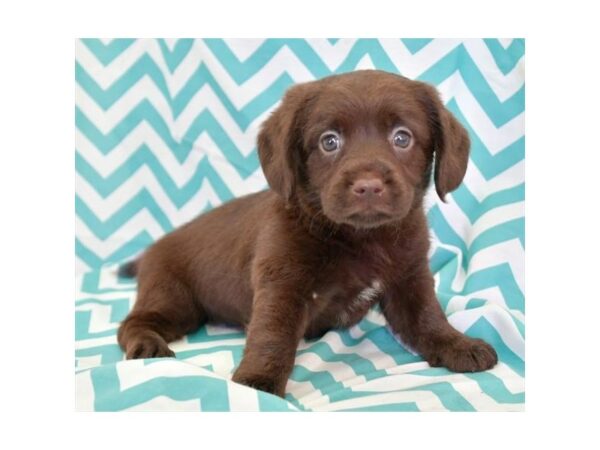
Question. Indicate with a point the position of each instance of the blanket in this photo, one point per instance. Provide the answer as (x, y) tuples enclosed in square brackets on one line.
[(166, 129)]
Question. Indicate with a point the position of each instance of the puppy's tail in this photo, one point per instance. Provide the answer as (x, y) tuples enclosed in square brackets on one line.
[(128, 270)]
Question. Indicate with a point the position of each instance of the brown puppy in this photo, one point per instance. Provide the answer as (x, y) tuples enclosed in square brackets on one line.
[(348, 159)]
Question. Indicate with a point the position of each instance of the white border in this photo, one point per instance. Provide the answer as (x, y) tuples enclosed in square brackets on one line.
[(37, 235)]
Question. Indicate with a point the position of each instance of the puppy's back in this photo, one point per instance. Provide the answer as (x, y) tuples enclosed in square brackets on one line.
[(212, 255)]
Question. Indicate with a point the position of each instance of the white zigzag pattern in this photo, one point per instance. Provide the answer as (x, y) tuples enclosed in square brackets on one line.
[(135, 372), (126, 290), (164, 403), (84, 391), (100, 317), (285, 61), (364, 348), (412, 66), (479, 187), (142, 221), (499, 318), (424, 400), (180, 174), (340, 371), (223, 363), (510, 252), (460, 223), (104, 208), (482, 188), (453, 87), (145, 90), (310, 398), (80, 265), (467, 387), (492, 295), (143, 134), (504, 86), (244, 48), (495, 139)]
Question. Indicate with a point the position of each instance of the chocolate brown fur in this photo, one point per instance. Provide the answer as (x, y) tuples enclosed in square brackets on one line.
[(336, 233)]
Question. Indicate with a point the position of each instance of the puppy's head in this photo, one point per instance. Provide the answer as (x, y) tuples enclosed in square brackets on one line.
[(359, 147)]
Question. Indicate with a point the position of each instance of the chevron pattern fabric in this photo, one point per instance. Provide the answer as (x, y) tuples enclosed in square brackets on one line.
[(165, 129)]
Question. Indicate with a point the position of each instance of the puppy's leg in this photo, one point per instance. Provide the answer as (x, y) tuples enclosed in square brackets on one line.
[(277, 324), (412, 310), (164, 311)]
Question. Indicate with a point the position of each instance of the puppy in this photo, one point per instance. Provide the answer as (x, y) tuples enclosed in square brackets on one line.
[(348, 159)]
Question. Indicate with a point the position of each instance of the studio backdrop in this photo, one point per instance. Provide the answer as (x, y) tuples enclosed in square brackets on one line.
[(166, 129)]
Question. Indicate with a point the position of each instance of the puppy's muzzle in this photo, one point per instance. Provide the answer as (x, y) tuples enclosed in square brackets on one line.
[(367, 194), (368, 189)]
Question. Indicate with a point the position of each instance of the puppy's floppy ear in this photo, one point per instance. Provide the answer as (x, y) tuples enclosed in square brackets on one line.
[(450, 143), (280, 141)]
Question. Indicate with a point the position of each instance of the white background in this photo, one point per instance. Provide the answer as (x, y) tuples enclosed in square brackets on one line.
[(37, 222)]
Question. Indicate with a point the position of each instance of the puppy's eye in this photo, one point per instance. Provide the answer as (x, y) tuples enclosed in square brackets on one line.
[(402, 138), (329, 142)]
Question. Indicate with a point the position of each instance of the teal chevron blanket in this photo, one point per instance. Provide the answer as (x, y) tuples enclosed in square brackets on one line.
[(165, 130)]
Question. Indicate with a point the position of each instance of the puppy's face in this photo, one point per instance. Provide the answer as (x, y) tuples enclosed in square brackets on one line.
[(367, 146), (359, 147)]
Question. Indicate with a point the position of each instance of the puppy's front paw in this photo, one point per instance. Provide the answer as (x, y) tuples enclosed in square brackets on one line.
[(464, 355), (261, 382)]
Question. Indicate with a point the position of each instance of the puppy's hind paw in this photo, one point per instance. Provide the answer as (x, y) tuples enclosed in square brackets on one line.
[(148, 347)]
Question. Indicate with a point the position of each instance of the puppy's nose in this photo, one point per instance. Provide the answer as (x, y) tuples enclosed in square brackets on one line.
[(367, 187)]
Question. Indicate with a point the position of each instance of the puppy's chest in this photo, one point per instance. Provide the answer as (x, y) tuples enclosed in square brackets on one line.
[(343, 292), (343, 304)]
